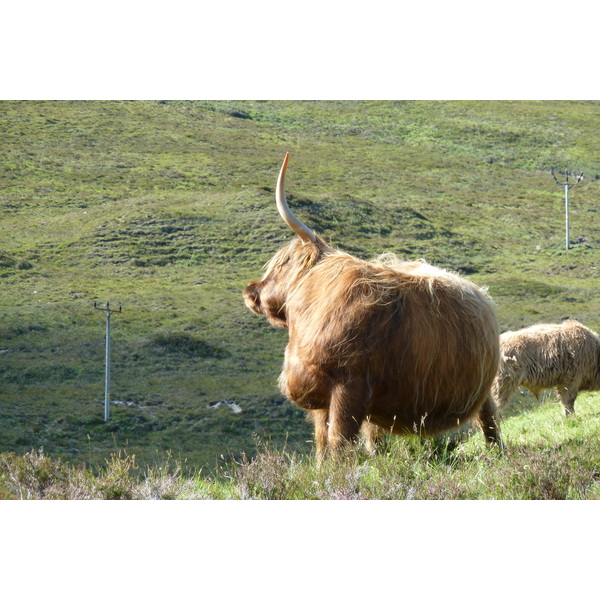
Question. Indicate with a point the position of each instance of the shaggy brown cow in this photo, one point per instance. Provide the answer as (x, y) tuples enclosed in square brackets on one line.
[(404, 345), (565, 356)]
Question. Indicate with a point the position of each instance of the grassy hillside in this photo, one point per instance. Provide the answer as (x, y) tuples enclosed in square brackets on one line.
[(167, 209)]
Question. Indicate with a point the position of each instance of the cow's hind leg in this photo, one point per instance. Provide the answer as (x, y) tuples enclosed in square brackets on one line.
[(369, 433), (346, 413), (490, 422)]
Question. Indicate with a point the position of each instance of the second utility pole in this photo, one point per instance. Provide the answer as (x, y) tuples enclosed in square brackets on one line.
[(567, 186), (109, 311)]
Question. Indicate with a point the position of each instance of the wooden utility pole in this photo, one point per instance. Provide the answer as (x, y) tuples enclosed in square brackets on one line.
[(108, 311), (567, 185)]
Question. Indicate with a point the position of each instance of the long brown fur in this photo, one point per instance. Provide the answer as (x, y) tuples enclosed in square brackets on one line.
[(405, 346), (565, 356)]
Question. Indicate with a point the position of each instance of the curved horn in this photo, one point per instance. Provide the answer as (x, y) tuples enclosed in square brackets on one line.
[(295, 224)]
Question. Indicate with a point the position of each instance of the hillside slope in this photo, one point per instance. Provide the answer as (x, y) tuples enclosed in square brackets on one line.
[(167, 209)]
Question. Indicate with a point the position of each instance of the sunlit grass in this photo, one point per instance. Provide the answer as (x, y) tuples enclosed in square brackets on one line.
[(167, 208), (547, 457)]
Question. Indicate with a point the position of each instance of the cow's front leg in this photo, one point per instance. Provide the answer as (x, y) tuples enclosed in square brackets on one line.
[(320, 419)]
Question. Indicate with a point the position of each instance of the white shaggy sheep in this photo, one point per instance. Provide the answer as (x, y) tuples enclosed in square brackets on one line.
[(565, 356)]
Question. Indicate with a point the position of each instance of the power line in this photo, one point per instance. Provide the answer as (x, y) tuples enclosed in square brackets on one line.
[(84, 304)]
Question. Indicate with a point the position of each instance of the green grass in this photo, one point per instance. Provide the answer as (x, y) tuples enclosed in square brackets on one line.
[(548, 457), (167, 208)]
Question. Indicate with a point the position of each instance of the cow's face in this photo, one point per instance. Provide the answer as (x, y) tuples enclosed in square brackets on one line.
[(267, 296)]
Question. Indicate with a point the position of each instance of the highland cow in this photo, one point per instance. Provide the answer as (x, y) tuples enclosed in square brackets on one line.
[(404, 346), (565, 356)]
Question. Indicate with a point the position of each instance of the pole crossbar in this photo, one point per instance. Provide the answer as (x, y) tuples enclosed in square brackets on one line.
[(109, 311)]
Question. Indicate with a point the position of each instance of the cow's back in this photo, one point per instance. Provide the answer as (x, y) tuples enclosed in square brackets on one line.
[(426, 339)]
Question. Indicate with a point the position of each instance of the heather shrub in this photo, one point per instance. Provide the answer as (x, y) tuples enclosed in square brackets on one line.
[(36, 476), (547, 458), (33, 476)]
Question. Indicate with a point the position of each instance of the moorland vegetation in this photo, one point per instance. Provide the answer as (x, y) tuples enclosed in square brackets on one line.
[(166, 208)]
